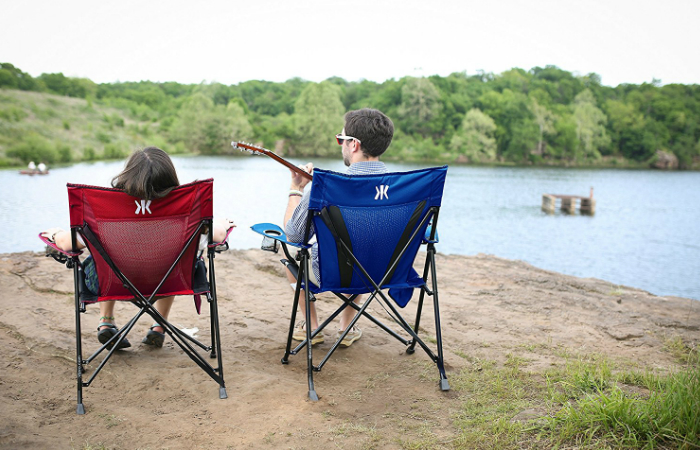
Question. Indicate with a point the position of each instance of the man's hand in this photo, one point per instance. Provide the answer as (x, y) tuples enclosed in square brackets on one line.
[(299, 181)]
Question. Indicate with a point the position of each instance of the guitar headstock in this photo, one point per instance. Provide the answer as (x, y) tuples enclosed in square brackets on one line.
[(245, 147)]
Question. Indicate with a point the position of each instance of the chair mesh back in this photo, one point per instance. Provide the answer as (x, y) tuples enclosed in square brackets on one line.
[(379, 213), (142, 239), (130, 245), (374, 235)]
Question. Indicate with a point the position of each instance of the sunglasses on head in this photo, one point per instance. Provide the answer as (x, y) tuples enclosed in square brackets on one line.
[(342, 138)]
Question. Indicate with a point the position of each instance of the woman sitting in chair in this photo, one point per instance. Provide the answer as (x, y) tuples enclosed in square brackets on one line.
[(148, 174)]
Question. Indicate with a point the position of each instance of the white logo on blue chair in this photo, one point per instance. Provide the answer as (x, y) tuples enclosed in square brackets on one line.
[(381, 192), (143, 207)]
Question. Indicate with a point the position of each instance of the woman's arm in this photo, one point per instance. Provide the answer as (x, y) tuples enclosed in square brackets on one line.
[(62, 239), (221, 227)]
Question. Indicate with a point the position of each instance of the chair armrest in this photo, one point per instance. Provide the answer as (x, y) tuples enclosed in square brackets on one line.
[(223, 245), (273, 231), (55, 247), (426, 238)]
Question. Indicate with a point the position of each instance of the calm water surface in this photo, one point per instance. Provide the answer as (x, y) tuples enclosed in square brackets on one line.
[(645, 234)]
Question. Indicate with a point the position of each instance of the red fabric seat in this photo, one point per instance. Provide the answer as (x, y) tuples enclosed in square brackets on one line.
[(143, 238)]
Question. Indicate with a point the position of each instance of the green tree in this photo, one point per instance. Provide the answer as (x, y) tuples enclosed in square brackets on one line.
[(7, 79), (207, 128), (318, 117), (474, 141), (419, 105), (590, 126), (545, 123), (516, 131)]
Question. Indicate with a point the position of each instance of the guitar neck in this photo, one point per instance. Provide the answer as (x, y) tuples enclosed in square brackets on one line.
[(284, 162), (279, 159)]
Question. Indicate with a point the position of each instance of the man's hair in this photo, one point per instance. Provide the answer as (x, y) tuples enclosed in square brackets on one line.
[(372, 127), (148, 174)]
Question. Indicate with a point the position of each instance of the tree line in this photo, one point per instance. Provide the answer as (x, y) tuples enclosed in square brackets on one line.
[(544, 115)]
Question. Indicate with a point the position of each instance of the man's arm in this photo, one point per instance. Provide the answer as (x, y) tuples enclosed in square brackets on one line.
[(294, 216)]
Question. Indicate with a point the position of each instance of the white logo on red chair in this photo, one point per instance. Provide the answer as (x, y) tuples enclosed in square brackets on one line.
[(382, 192), (142, 207)]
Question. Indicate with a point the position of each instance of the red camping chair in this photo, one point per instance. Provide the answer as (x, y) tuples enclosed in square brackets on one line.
[(144, 250)]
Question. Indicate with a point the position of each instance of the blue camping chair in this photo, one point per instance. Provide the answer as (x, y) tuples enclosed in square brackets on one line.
[(369, 229)]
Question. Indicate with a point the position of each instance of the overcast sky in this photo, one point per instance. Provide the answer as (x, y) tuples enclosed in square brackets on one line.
[(230, 41)]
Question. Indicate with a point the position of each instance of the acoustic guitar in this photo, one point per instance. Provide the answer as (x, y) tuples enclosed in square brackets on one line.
[(255, 150)]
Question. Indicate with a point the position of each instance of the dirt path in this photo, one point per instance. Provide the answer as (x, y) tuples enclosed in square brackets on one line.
[(373, 394)]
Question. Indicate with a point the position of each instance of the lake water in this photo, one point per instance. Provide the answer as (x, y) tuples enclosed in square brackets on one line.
[(645, 233)]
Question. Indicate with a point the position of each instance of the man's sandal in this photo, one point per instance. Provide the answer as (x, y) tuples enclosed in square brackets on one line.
[(105, 335), (153, 337)]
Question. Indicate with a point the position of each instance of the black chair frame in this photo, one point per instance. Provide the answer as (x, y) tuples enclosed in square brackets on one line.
[(301, 271), (146, 306)]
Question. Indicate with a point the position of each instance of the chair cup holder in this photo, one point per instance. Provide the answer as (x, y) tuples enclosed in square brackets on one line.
[(270, 244)]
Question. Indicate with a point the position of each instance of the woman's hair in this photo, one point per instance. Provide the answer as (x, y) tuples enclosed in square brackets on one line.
[(148, 174)]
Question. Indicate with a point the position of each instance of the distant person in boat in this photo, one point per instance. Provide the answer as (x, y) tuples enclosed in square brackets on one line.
[(31, 167), (41, 167), (148, 174)]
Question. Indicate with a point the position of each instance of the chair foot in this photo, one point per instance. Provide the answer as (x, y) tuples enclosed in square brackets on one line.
[(81, 409), (222, 392), (444, 385), (284, 361), (212, 355), (410, 350), (313, 396)]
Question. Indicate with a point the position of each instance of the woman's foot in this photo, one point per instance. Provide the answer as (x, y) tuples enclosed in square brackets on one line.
[(155, 338), (105, 331)]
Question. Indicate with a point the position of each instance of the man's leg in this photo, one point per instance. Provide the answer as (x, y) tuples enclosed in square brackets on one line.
[(302, 303), (348, 313), (345, 319)]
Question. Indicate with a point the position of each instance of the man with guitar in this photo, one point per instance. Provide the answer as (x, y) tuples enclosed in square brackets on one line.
[(365, 137)]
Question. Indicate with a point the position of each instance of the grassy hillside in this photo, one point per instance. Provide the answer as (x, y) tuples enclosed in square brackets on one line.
[(58, 130)]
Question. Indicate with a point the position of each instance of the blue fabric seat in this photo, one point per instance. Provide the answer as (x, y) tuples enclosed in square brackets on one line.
[(369, 229)]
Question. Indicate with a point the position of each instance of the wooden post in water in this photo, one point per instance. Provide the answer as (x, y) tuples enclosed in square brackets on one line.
[(549, 203), (568, 205), (588, 205)]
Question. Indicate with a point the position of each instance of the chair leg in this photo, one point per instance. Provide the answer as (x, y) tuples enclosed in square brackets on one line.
[(215, 328), (80, 409), (295, 304), (313, 396), (444, 385)]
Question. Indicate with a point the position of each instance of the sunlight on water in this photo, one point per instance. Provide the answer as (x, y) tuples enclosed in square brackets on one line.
[(645, 232)]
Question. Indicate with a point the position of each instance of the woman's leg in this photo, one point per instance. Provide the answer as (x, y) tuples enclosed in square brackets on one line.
[(107, 314), (156, 335), (163, 306), (107, 317)]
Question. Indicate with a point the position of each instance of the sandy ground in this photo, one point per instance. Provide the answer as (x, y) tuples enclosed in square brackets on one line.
[(372, 395)]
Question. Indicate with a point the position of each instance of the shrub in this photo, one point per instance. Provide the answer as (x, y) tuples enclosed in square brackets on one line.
[(103, 137), (33, 147), (89, 154), (65, 155), (114, 151), (12, 113)]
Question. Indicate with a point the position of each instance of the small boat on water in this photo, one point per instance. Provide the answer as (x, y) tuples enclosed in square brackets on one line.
[(34, 172)]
